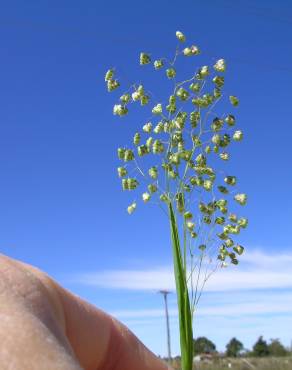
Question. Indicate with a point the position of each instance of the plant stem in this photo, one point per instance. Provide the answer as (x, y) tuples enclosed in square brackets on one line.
[(184, 308)]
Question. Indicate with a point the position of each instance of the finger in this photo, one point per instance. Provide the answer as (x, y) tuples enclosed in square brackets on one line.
[(32, 330), (98, 341), (101, 342)]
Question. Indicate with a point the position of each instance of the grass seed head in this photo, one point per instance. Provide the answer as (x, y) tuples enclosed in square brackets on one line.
[(144, 59), (109, 75), (241, 199), (234, 100), (146, 197), (220, 65), (238, 135), (132, 208), (158, 64), (180, 36)]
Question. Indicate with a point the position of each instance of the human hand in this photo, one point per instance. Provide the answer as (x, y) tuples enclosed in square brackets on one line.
[(45, 327)]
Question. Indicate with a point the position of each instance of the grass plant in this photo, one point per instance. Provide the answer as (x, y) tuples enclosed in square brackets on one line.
[(176, 156)]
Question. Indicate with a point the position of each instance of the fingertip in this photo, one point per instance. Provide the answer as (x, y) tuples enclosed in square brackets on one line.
[(103, 343)]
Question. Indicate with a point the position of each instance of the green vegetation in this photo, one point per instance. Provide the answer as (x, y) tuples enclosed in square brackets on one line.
[(271, 363), (203, 345), (233, 348), (260, 348), (276, 348), (178, 156), (264, 356)]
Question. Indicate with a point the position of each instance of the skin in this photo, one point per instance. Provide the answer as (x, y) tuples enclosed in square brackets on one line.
[(43, 327)]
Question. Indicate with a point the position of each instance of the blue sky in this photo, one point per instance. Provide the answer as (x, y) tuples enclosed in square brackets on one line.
[(61, 205)]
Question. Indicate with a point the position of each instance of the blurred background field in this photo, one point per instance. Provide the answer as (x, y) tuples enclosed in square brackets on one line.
[(264, 355), (271, 363)]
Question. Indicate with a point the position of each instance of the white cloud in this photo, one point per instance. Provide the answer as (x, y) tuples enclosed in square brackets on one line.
[(147, 279), (252, 299), (220, 316), (258, 270), (226, 305), (264, 306), (133, 314), (259, 258)]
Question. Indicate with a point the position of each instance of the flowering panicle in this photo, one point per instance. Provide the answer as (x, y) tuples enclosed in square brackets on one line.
[(182, 141)]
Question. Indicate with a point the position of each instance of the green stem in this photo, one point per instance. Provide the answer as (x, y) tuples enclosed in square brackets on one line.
[(184, 308), (185, 248)]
